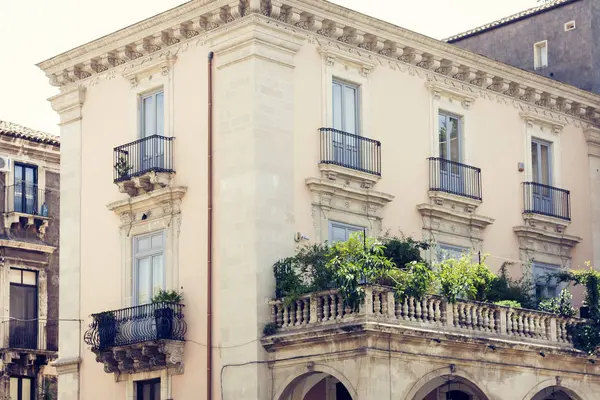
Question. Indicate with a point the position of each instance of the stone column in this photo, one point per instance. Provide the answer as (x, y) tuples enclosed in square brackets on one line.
[(68, 104), (592, 136), (254, 173)]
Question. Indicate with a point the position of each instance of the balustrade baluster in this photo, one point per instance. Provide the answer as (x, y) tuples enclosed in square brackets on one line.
[(456, 312), (306, 311), (469, 321), (325, 308), (418, 311), (411, 309), (376, 303), (286, 314), (438, 313), (340, 307), (405, 314), (279, 314), (332, 306)]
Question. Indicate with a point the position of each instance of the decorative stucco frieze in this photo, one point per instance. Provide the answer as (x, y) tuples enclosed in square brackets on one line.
[(453, 220), (592, 137), (370, 38)]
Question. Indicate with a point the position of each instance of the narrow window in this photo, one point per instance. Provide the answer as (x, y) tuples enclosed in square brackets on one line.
[(339, 232), (22, 388), (26, 189), (23, 325), (541, 162), (346, 125), (148, 390), (450, 143), (541, 54), (149, 273), (152, 114)]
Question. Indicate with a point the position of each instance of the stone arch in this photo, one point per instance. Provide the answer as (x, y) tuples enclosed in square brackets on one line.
[(545, 388), (301, 377), (439, 377)]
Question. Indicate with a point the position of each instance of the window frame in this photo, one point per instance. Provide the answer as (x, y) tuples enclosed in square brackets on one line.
[(139, 395), (448, 248), (20, 379), (538, 59), (357, 117), (539, 143), (548, 268), (136, 256), (459, 118), (347, 227), (23, 183), (142, 111)]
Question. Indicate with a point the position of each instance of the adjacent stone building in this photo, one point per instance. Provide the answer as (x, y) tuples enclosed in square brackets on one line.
[(201, 145), (29, 271), (559, 40)]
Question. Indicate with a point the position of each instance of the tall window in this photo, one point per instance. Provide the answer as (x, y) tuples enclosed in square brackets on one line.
[(346, 119), (25, 189), (450, 153), (339, 232), (148, 390), (22, 388), (152, 114), (149, 272), (546, 286), (23, 325), (540, 54), (541, 162)]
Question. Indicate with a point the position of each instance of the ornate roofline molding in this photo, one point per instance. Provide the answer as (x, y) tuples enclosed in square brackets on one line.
[(376, 40)]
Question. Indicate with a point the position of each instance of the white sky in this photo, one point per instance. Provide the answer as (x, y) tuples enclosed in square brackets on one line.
[(34, 30)]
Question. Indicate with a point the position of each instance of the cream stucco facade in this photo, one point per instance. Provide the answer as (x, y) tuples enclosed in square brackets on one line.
[(274, 67)]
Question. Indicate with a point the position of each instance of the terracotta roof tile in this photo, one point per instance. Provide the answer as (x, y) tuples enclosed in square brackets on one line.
[(19, 131)]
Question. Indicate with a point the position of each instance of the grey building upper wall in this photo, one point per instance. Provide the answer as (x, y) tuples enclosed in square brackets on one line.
[(572, 55)]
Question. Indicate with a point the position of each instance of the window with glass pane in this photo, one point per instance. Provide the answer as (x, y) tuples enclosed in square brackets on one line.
[(346, 119), (541, 170), (25, 189), (152, 118), (339, 232), (22, 388), (148, 390), (446, 252), (149, 273), (546, 286), (450, 153)]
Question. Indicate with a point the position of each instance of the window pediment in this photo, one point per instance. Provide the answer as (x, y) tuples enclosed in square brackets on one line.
[(332, 57), (544, 122)]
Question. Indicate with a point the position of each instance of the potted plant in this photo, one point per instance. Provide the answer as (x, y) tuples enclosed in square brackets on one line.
[(122, 167), (107, 329), (164, 312)]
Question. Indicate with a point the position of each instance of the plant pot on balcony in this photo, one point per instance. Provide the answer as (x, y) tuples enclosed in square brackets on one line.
[(164, 321), (107, 330)]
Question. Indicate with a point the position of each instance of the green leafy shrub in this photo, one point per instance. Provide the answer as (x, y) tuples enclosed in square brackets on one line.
[(270, 329), (402, 250), (168, 296), (508, 303), (481, 279), (357, 261), (503, 287), (559, 305), (415, 280)]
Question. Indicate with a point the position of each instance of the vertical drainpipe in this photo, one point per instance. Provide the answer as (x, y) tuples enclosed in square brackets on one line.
[(209, 249)]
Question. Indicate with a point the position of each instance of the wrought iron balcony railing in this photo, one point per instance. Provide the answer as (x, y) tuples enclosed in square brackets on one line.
[(25, 198), (31, 334), (547, 200), (350, 151), (152, 153), (455, 178), (137, 324)]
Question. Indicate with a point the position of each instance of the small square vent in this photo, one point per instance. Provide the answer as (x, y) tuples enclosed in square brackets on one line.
[(569, 26)]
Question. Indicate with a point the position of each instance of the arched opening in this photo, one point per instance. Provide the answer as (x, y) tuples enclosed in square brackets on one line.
[(555, 393), (449, 387), (316, 386)]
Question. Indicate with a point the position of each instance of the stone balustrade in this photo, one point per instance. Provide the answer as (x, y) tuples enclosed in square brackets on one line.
[(431, 313)]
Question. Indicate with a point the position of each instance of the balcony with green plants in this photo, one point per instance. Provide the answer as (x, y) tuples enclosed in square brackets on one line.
[(140, 338), (368, 284)]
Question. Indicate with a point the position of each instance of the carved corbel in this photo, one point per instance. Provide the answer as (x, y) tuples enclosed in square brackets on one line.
[(90, 67), (292, 16), (198, 25), (579, 110), (483, 80), (548, 100), (215, 19), (516, 90), (276, 9), (532, 95), (466, 74), (564, 105), (235, 10), (430, 62), (357, 38), (315, 23), (412, 56), (335, 31), (392, 49), (499, 85), (448, 67)]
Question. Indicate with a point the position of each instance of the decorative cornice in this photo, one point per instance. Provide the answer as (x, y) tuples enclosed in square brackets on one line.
[(555, 124), (15, 244), (370, 38), (148, 200), (437, 90), (437, 211), (66, 365)]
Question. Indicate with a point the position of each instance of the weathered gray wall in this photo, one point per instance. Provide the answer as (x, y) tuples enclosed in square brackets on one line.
[(52, 238), (572, 55)]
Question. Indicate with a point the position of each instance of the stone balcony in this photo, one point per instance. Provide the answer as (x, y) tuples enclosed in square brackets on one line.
[(433, 317), (144, 165), (139, 339)]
